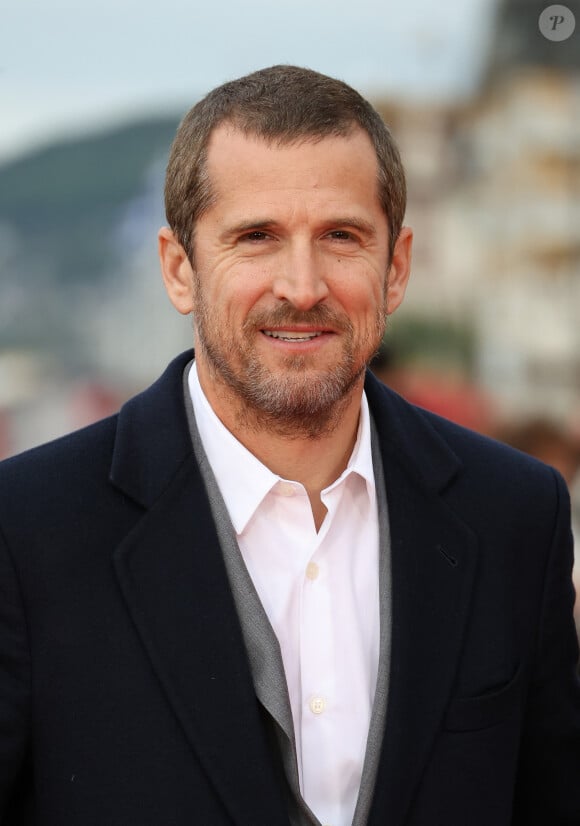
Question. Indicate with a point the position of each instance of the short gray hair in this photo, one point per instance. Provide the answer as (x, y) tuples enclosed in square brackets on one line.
[(281, 104)]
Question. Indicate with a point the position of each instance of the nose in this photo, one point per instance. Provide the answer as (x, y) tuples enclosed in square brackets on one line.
[(300, 279)]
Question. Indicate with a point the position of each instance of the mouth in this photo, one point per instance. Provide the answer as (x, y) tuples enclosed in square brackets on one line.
[(295, 336)]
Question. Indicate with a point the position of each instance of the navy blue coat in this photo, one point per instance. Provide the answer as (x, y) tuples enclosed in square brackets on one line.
[(125, 693)]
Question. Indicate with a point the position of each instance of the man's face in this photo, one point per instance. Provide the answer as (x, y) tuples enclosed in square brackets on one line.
[(289, 290)]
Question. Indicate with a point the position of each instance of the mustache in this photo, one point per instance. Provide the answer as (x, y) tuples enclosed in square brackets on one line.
[(318, 316)]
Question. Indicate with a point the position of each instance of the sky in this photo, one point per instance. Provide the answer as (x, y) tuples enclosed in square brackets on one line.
[(70, 67)]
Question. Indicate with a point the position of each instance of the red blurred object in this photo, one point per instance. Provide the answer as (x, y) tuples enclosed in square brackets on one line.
[(93, 401), (448, 395), (5, 441)]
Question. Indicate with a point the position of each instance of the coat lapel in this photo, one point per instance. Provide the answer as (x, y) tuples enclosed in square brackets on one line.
[(433, 557), (173, 578)]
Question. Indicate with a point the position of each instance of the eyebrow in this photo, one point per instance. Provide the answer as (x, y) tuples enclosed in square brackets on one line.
[(248, 226), (365, 227)]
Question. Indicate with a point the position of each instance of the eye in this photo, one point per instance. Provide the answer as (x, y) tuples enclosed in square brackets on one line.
[(341, 235), (255, 235)]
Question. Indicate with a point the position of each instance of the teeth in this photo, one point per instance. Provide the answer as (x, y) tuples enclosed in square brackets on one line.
[(291, 336)]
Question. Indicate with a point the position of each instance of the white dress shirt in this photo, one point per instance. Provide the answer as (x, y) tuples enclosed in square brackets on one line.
[(320, 592)]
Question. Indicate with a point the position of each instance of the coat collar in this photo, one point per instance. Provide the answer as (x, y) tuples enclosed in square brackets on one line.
[(153, 437), (176, 588), (152, 440), (408, 437)]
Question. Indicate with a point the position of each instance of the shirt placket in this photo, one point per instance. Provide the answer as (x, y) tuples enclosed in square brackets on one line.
[(318, 679)]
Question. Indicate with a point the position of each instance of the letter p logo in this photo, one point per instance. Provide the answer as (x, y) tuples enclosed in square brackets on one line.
[(557, 23)]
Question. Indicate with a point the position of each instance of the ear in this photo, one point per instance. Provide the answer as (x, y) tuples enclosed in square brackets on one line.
[(400, 269), (176, 270)]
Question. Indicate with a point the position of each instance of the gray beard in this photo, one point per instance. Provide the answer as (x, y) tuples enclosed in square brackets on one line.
[(297, 407), (293, 408)]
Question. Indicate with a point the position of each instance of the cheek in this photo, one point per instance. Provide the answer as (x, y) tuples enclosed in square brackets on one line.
[(223, 290), (245, 288), (365, 298), (233, 304)]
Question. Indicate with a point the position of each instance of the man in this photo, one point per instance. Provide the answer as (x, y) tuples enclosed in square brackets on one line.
[(270, 591)]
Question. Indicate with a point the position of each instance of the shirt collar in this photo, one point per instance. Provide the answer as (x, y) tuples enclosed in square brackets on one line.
[(242, 479)]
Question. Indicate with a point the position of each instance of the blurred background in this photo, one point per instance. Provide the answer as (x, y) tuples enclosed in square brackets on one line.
[(486, 110)]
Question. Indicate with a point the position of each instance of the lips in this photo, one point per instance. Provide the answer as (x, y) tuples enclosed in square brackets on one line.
[(293, 335)]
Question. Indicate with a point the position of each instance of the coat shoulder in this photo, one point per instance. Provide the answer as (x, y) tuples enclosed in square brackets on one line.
[(495, 460), (58, 480), (72, 454)]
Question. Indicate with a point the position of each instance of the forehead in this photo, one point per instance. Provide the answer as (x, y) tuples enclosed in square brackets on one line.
[(237, 161)]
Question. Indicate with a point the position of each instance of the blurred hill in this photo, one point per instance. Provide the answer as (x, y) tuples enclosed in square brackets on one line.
[(69, 214)]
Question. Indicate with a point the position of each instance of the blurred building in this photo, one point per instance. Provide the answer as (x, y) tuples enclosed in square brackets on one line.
[(523, 156), (494, 198)]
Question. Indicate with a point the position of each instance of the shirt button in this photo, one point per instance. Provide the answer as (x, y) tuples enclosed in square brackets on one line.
[(286, 489), (312, 570), (317, 705)]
